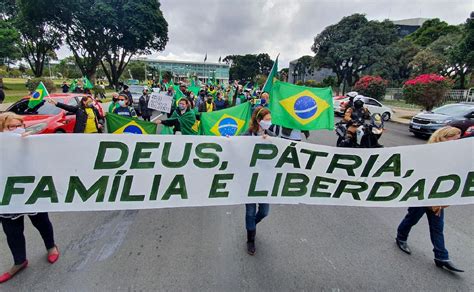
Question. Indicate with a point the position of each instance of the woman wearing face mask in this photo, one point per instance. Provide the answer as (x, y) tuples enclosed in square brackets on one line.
[(114, 104), (88, 119), (13, 224), (259, 126), (124, 109), (182, 120)]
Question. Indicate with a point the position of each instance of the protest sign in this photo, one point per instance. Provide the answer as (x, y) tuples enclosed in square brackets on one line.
[(119, 172), (160, 102)]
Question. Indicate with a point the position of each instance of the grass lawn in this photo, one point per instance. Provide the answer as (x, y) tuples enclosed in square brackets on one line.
[(15, 89)]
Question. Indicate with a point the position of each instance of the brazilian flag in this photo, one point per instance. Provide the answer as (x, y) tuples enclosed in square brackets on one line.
[(301, 107), (226, 122), (117, 124), (38, 95)]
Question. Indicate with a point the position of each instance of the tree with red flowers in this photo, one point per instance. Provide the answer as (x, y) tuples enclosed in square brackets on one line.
[(427, 90), (372, 86)]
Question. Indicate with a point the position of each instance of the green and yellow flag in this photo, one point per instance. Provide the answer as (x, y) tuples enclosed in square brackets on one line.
[(87, 83), (267, 87), (38, 95), (226, 122), (301, 107), (117, 124)]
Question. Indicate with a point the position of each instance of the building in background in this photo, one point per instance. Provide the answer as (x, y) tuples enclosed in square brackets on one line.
[(408, 26), (317, 75), (182, 70)]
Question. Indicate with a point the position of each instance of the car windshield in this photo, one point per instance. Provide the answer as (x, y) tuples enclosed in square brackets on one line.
[(457, 110), (43, 108), (136, 89)]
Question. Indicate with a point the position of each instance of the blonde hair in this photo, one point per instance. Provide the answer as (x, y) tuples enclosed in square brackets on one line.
[(6, 117), (443, 134)]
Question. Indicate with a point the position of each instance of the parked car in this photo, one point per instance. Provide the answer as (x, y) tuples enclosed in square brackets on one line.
[(457, 114), (136, 91), (46, 118), (466, 126), (373, 105)]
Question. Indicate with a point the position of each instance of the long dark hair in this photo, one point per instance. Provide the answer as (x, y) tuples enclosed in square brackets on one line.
[(258, 114)]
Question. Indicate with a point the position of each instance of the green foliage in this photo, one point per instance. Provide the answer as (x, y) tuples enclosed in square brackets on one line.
[(305, 65), (247, 67), (311, 83), (299, 82), (426, 61), (430, 31), (353, 45), (9, 37), (427, 90), (31, 84), (137, 69), (372, 86)]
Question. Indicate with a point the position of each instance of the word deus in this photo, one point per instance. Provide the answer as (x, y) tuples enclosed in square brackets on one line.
[(293, 184)]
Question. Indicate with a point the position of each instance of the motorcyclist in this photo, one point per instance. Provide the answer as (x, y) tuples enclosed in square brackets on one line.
[(354, 117), (348, 104)]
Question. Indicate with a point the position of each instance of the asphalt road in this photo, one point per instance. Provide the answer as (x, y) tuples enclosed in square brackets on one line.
[(314, 248)]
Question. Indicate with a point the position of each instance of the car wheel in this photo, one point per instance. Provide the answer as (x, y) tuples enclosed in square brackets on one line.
[(59, 131), (386, 116)]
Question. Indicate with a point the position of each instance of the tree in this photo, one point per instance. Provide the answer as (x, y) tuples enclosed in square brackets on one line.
[(38, 39), (9, 37), (373, 86), (396, 64), (304, 66), (247, 67), (426, 61), (430, 31), (283, 74), (137, 70), (132, 35), (352, 46), (427, 90)]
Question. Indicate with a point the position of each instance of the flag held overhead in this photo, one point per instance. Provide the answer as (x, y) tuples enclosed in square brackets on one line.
[(300, 107), (38, 95)]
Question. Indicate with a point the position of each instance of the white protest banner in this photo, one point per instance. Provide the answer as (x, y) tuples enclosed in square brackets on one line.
[(117, 172), (160, 102)]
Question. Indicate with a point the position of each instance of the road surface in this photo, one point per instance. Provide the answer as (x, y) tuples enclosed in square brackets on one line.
[(313, 248)]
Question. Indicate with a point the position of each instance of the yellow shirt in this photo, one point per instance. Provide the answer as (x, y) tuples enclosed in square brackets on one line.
[(90, 124), (209, 107)]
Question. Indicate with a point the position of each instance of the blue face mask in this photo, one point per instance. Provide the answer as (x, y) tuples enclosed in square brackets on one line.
[(121, 102), (181, 107)]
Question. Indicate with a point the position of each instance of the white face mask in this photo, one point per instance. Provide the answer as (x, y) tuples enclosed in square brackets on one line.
[(121, 102), (18, 131), (265, 124)]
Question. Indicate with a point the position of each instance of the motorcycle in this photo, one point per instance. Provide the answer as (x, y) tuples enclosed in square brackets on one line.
[(367, 134)]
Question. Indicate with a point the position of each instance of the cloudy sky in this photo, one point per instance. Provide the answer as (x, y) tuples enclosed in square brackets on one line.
[(225, 27)]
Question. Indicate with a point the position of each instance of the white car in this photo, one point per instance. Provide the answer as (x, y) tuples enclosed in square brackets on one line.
[(373, 105)]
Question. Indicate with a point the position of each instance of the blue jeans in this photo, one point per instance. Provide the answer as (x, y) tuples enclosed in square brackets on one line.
[(252, 217), (436, 224)]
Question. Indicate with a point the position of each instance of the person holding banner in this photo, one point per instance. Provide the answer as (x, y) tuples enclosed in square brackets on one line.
[(435, 214), (259, 126), (182, 120), (88, 119), (14, 224)]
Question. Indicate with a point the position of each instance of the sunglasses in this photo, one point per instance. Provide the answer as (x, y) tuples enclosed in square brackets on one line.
[(13, 127)]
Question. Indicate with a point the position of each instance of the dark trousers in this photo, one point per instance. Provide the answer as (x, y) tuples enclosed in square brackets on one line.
[(252, 217), (16, 239), (146, 118), (436, 224)]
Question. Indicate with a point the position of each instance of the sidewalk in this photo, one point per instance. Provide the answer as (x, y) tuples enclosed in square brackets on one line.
[(403, 115)]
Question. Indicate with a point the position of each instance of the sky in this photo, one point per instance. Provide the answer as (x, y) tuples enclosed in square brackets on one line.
[(226, 27)]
